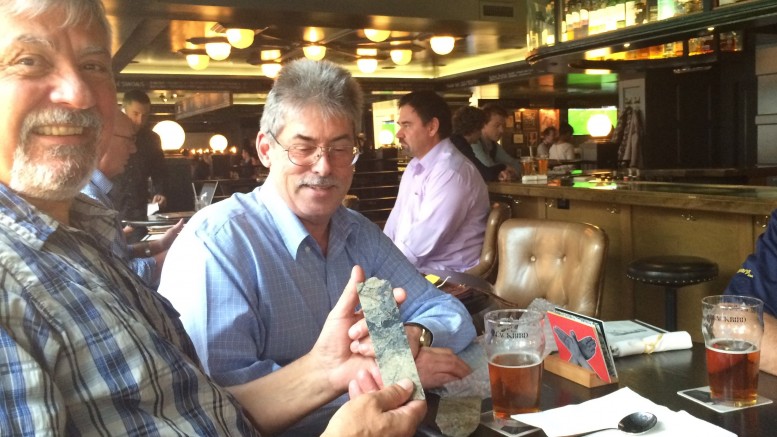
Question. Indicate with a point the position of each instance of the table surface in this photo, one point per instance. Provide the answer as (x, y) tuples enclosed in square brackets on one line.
[(659, 377)]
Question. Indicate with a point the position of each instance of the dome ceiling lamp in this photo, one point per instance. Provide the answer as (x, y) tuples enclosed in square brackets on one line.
[(270, 65), (240, 38), (367, 60), (442, 45), (218, 48), (375, 35), (314, 52)]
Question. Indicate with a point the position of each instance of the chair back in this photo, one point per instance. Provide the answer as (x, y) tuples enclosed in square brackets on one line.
[(560, 261), (486, 267)]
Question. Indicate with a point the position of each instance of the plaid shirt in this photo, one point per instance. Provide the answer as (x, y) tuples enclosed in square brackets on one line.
[(85, 348)]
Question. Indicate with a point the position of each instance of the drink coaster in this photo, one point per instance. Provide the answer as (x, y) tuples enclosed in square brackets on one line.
[(701, 396)]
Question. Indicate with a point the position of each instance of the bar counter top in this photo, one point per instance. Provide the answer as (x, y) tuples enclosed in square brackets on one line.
[(744, 199)]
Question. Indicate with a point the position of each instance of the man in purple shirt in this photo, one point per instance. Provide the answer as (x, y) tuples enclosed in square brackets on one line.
[(439, 218)]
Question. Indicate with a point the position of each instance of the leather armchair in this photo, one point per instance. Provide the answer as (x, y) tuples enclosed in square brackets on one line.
[(486, 267), (562, 262)]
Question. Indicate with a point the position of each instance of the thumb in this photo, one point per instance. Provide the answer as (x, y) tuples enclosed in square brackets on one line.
[(349, 299), (395, 395)]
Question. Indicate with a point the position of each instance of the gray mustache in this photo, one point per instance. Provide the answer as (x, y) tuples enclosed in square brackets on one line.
[(318, 181), (86, 118)]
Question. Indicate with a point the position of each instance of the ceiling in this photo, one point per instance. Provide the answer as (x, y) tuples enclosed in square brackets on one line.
[(149, 35)]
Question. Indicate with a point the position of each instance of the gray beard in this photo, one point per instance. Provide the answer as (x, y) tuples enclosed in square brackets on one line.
[(59, 172)]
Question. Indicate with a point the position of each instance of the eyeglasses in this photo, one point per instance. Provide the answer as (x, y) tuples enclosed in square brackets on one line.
[(307, 155)]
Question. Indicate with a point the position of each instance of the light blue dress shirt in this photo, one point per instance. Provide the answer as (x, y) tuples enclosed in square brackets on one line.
[(439, 219), (254, 289)]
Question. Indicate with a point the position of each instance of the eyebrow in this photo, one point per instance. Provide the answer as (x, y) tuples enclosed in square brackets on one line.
[(313, 140), (89, 50)]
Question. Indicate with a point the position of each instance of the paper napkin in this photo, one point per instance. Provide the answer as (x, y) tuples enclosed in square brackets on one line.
[(608, 410)]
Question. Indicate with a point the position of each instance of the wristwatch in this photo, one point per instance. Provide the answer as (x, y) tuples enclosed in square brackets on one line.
[(426, 335)]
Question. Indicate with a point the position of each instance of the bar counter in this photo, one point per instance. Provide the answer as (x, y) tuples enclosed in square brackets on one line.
[(743, 199), (718, 222)]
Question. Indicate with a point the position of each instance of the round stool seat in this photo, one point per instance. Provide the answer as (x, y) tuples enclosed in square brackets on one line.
[(672, 270)]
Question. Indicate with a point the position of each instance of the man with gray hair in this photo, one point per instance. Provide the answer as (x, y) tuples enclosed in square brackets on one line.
[(255, 275), (85, 347)]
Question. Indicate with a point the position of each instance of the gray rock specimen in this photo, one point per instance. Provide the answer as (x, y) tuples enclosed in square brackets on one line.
[(395, 360)]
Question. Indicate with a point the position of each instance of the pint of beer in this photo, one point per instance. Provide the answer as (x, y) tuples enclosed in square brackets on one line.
[(514, 343), (732, 328)]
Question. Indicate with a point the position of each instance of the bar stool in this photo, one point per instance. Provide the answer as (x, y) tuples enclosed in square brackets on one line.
[(673, 272)]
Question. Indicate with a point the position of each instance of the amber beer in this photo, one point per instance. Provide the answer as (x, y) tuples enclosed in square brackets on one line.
[(516, 379), (542, 165), (732, 368)]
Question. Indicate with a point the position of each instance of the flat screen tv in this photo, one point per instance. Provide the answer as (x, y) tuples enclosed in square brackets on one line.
[(578, 117)]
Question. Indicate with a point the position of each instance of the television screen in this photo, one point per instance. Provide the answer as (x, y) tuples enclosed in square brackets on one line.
[(578, 117)]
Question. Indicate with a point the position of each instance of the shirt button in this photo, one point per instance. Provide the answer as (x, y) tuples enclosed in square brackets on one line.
[(307, 249)]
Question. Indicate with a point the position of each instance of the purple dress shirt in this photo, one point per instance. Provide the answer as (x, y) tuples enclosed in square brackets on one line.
[(439, 219)]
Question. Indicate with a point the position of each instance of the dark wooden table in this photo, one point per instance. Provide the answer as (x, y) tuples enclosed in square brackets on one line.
[(658, 377)]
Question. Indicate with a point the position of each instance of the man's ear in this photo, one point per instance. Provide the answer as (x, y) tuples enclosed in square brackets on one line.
[(263, 148), (433, 126)]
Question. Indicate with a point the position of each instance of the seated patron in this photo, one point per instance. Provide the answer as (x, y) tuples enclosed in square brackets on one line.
[(467, 124), (758, 278), (439, 218), (487, 149), (254, 276), (562, 149)]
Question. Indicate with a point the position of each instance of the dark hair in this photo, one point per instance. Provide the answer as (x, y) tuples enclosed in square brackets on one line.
[(468, 119), (548, 130), (566, 129), (429, 105), (136, 95), (493, 108)]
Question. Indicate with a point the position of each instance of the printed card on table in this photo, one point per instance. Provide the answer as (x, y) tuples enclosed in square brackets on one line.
[(580, 341)]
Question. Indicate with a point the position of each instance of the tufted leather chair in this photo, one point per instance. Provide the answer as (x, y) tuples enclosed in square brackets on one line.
[(562, 262), (487, 265)]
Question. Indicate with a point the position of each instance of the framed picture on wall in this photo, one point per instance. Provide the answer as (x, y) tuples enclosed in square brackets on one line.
[(517, 138), (530, 119), (548, 118), (509, 122), (532, 138)]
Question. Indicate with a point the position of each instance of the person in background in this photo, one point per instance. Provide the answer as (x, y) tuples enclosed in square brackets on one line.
[(758, 278), (85, 347), (255, 275), (548, 137), (131, 195), (488, 150), (467, 124), (146, 258), (439, 218), (562, 149)]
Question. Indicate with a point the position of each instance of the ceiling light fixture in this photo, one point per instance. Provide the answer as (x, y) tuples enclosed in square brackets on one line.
[(442, 45), (314, 52), (271, 69), (218, 50), (401, 56), (375, 35), (240, 38), (198, 62), (270, 55), (367, 61)]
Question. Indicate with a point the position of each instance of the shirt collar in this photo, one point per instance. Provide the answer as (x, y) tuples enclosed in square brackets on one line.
[(291, 229), (101, 181), (417, 166)]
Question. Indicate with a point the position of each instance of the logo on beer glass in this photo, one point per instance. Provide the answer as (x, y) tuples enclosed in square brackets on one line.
[(732, 328), (514, 343)]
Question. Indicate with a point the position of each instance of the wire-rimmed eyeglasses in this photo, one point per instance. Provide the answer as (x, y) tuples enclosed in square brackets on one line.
[(307, 155)]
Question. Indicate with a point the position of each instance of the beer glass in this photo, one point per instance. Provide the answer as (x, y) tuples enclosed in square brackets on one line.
[(542, 164), (732, 328), (514, 344), (527, 165)]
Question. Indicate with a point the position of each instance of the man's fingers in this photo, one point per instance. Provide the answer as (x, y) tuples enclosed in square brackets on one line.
[(400, 295), (350, 298), (394, 395)]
